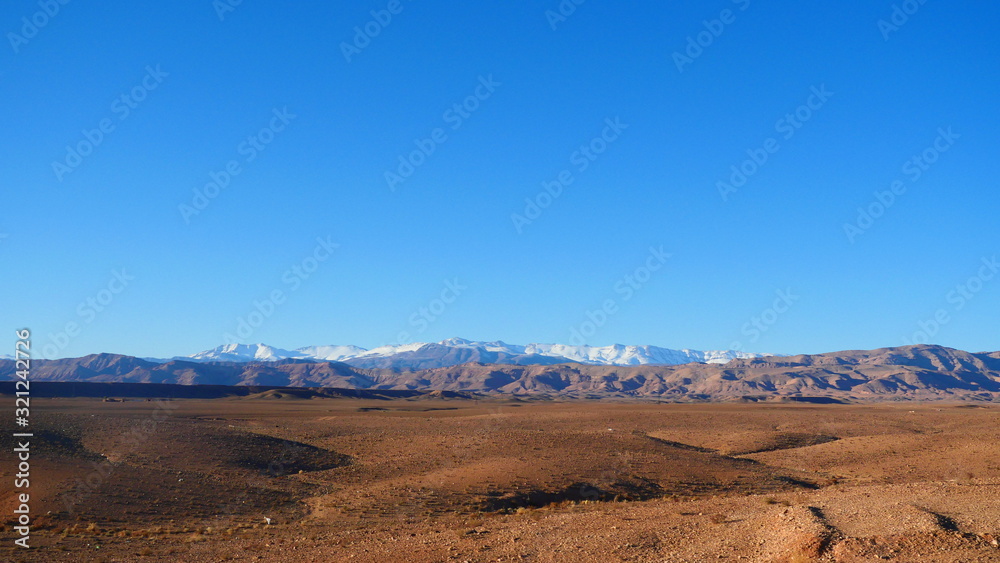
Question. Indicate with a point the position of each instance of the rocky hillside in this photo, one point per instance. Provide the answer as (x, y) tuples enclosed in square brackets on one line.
[(905, 373)]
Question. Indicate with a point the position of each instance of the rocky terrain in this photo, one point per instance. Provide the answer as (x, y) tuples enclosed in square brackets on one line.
[(904, 373), (456, 351), (305, 476)]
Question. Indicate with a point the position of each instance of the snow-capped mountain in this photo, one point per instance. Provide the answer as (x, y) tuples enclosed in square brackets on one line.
[(247, 353), (619, 355), (331, 353), (455, 351)]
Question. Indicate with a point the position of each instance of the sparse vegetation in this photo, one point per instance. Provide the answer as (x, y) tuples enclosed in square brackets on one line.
[(543, 473)]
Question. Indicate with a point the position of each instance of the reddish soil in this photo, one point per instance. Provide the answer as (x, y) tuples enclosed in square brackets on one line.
[(432, 479)]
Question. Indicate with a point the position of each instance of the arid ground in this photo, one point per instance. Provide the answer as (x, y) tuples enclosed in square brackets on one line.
[(278, 477)]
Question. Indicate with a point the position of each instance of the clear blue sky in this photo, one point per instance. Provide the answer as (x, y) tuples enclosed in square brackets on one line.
[(216, 82)]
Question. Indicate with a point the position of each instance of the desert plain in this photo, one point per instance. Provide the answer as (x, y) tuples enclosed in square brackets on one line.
[(287, 475)]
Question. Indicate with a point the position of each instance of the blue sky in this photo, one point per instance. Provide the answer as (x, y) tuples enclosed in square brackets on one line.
[(101, 254)]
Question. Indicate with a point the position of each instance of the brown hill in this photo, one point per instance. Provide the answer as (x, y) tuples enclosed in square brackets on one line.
[(910, 372)]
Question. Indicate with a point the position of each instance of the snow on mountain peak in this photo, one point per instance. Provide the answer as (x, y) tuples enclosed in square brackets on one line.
[(331, 353), (234, 352), (398, 355)]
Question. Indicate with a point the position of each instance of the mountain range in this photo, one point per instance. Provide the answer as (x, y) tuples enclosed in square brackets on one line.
[(457, 351), (904, 373)]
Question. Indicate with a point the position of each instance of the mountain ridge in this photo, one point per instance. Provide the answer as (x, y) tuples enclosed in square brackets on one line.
[(904, 373), (456, 351)]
